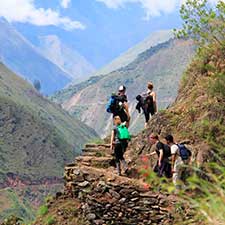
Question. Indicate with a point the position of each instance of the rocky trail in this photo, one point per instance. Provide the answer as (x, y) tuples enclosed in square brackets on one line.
[(103, 198)]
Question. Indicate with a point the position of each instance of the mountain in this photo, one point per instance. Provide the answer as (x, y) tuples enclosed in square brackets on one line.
[(37, 138), (67, 59), (131, 54), (88, 99), (21, 57)]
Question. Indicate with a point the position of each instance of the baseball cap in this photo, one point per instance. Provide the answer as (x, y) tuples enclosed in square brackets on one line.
[(122, 88)]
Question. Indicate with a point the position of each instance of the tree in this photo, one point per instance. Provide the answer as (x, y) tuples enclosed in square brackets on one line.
[(37, 85), (202, 22)]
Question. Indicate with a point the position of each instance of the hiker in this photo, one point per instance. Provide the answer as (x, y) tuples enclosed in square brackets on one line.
[(147, 102), (124, 112), (118, 106), (163, 166), (119, 143), (180, 159)]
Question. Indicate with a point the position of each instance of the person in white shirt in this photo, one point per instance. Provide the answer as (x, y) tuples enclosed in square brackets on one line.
[(177, 164)]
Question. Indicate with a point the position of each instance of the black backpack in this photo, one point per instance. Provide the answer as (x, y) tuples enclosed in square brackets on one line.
[(184, 152)]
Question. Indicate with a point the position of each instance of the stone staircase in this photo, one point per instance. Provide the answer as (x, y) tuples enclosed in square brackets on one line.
[(110, 199)]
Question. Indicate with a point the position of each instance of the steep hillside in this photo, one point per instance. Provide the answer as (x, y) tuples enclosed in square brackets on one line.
[(132, 53), (69, 60), (151, 65), (198, 114), (37, 137), (21, 57)]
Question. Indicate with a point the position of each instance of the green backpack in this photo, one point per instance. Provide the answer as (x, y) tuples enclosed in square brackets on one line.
[(123, 133)]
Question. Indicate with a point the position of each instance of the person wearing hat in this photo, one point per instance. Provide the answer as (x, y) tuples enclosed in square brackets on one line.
[(123, 113)]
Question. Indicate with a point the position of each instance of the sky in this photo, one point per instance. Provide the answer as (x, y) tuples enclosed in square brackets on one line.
[(100, 30)]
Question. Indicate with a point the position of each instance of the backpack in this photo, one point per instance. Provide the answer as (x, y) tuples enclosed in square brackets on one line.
[(145, 100), (113, 105), (123, 133), (184, 152)]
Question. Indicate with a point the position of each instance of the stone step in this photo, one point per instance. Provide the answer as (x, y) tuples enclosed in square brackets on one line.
[(97, 145), (108, 175), (96, 154), (91, 149), (98, 162)]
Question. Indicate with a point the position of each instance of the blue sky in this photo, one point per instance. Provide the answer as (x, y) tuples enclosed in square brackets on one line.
[(100, 30)]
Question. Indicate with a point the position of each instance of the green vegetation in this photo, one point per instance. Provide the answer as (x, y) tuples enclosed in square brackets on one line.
[(207, 25), (19, 206), (43, 210), (37, 139), (203, 23), (50, 220)]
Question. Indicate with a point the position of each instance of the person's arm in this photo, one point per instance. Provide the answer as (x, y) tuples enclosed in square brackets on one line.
[(112, 140), (126, 109), (160, 156), (152, 153), (153, 94)]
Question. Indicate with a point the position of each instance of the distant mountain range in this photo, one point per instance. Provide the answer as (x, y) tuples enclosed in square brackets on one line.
[(88, 99), (37, 138), (52, 63), (67, 59), (132, 53)]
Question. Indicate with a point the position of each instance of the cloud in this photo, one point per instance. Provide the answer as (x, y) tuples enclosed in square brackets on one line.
[(151, 7), (24, 11), (65, 3)]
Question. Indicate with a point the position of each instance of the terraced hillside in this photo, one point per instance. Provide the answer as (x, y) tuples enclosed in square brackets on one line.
[(37, 138)]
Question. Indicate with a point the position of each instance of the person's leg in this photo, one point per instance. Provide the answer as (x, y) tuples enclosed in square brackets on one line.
[(147, 117), (121, 155), (177, 176), (117, 153)]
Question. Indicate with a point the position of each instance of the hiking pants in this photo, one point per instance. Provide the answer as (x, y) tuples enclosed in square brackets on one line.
[(164, 169), (179, 169), (118, 152)]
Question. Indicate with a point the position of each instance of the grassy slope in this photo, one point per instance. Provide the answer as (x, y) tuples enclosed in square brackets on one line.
[(37, 137), (153, 65)]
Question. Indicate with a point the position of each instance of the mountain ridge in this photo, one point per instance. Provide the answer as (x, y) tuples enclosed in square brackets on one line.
[(37, 139)]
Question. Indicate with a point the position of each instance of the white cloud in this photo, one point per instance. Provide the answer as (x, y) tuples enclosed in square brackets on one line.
[(25, 11), (151, 7), (65, 3)]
